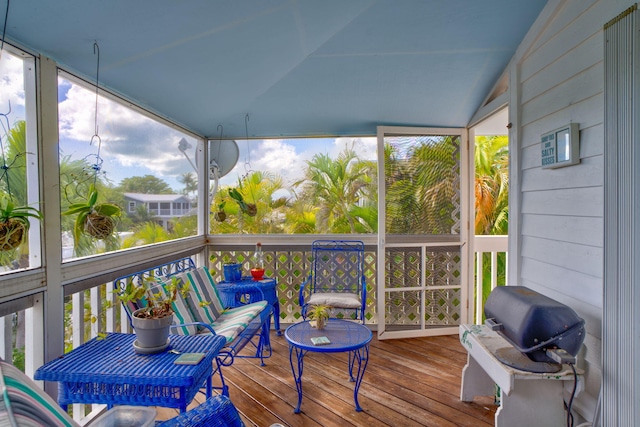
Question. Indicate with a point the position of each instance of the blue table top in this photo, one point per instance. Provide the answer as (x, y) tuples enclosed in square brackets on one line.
[(112, 360), (343, 334), (246, 281)]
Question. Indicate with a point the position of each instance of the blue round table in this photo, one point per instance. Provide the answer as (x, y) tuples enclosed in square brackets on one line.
[(247, 290), (343, 335)]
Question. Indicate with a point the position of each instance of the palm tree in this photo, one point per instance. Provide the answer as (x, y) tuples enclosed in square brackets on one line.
[(492, 198), (190, 182), (421, 186), (336, 187), (258, 188), (492, 185), (147, 233)]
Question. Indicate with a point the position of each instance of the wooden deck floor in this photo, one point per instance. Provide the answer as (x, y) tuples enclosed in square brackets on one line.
[(408, 382)]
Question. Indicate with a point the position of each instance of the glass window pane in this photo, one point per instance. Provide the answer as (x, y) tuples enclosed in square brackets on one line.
[(136, 165), (19, 229), (296, 186), (422, 180)]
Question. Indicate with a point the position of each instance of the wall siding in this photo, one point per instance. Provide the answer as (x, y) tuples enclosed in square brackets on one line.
[(560, 234)]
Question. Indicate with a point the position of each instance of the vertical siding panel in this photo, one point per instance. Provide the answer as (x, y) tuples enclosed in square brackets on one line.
[(622, 217)]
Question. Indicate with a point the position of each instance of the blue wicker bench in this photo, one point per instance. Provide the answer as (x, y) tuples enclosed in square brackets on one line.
[(202, 311)]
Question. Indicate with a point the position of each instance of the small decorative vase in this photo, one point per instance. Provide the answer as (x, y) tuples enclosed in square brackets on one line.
[(232, 272), (320, 323), (257, 273)]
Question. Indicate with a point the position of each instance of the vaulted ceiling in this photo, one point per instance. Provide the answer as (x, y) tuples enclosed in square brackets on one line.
[(297, 67)]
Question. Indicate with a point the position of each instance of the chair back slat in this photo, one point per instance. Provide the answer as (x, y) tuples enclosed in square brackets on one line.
[(337, 266)]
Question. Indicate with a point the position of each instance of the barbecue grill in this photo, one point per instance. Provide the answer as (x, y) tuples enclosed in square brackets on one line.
[(533, 324)]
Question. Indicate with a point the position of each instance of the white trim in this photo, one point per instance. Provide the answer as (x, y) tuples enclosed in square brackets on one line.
[(423, 329)]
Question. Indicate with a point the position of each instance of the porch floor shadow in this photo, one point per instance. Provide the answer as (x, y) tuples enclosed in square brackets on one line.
[(408, 382)]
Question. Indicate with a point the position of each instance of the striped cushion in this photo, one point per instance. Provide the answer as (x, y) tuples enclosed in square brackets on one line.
[(29, 404), (235, 320), (181, 312), (203, 299)]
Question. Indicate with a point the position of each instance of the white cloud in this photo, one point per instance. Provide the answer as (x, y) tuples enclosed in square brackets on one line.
[(129, 140), (11, 87)]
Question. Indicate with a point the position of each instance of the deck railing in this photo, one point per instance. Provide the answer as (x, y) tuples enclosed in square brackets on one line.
[(491, 264), (96, 310)]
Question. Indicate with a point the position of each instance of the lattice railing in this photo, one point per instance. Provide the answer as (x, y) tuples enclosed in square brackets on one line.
[(291, 267)]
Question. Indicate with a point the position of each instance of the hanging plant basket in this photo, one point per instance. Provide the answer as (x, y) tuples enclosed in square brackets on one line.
[(95, 220), (12, 233), (14, 223), (99, 226)]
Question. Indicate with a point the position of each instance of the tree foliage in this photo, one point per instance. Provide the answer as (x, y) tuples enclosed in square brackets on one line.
[(147, 184)]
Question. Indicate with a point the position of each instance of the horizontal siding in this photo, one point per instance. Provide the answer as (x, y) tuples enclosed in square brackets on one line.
[(577, 21), (584, 56), (570, 229), (583, 259), (581, 87), (578, 202), (589, 173), (588, 113), (561, 80)]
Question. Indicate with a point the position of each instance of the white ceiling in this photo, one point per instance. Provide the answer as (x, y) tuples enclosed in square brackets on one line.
[(297, 67)]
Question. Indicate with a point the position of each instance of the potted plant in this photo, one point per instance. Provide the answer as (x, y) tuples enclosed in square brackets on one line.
[(221, 215), (318, 314), (98, 220), (232, 270), (249, 208), (152, 322), (14, 223)]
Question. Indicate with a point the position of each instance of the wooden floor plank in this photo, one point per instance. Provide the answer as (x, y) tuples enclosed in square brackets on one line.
[(408, 382)]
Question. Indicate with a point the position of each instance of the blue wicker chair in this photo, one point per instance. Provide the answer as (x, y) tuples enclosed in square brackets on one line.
[(337, 277), (23, 403), (217, 411)]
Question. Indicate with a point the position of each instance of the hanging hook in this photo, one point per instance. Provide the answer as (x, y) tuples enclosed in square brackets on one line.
[(96, 48), (98, 165), (247, 160)]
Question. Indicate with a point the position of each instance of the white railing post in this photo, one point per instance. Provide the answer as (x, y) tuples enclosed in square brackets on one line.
[(493, 245)]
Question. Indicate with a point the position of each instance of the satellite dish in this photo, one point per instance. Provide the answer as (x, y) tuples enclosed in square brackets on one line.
[(223, 155)]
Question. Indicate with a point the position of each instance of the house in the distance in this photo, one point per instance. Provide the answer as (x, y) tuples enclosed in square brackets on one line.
[(163, 207)]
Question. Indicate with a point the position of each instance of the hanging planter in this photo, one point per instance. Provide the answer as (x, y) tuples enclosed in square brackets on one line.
[(248, 208), (96, 220), (14, 223)]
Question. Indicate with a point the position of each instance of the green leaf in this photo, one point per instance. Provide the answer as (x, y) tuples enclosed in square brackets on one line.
[(93, 198), (107, 209)]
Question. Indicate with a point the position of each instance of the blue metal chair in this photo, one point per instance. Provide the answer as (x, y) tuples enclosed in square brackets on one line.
[(337, 277)]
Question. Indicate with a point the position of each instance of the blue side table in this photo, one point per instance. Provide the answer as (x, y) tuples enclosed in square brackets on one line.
[(344, 336), (109, 371), (247, 290)]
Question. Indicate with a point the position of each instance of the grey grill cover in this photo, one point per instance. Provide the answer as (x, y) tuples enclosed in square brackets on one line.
[(532, 322)]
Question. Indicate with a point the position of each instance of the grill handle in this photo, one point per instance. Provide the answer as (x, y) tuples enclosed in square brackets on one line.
[(493, 325)]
